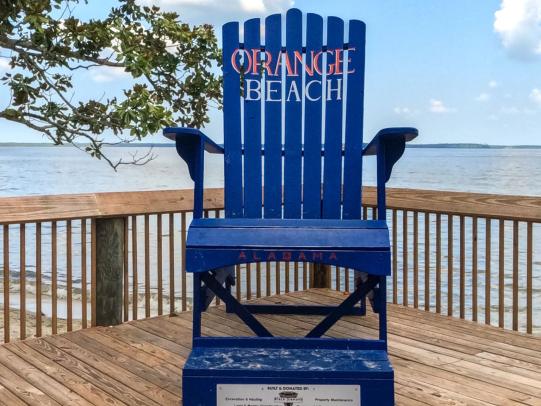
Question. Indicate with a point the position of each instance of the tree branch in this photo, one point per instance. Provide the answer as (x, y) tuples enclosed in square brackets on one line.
[(16, 45)]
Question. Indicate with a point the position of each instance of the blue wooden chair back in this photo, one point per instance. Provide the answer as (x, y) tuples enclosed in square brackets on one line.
[(293, 117)]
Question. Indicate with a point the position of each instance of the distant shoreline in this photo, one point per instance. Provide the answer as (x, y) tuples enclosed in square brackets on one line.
[(170, 145)]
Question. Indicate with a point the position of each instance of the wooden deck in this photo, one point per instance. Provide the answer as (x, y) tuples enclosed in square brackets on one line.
[(438, 360)]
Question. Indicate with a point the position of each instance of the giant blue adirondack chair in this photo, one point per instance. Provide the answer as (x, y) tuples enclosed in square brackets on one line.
[(293, 148)]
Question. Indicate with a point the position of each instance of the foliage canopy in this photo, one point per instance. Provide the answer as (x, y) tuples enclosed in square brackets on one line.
[(172, 63)]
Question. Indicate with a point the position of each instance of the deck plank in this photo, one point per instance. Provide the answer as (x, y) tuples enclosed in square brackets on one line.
[(38, 379), (437, 359), (71, 381)]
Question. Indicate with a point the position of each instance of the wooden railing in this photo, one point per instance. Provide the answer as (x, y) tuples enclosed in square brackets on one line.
[(72, 261)]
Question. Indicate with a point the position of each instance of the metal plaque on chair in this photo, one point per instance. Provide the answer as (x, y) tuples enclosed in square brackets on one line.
[(288, 395)]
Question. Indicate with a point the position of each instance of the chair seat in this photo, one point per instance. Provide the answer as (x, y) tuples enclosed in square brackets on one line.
[(358, 244)]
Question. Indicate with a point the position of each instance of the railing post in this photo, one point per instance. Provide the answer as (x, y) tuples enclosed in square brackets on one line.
[(322, 276), (109, 270)]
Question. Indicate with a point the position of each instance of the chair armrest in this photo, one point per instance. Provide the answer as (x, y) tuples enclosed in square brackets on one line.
[(389, 145), (191, 145), (190, 142)]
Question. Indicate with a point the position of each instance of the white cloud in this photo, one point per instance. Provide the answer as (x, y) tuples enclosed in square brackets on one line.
[(510, 110), (493, 84), (483, 97), (219, 12), (104, 74), (535, 96), (518, 22), (438, 107), (402, 110)]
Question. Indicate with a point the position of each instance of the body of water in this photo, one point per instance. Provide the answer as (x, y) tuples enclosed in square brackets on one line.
[(55, 170), (60, 170)]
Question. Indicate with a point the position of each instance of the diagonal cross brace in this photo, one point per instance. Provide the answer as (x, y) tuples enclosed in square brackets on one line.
[(233, 304), (344, 307)]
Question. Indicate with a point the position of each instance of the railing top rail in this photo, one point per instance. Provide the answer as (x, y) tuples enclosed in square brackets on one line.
[(28, 209), (508, 207)]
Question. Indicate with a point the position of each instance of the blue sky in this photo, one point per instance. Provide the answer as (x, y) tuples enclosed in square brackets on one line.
[(459, 70)]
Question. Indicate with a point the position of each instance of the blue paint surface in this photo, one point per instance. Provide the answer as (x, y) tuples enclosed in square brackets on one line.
[(286, 362), (312, 96)]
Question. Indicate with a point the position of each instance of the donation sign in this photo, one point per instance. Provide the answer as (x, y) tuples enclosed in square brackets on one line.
[(288, 395)]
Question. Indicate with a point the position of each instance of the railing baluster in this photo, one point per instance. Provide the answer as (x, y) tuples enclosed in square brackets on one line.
[(287, 277), (258, 279), (54, 278), (474, 268), (529, 277), (69, 276), (277, 277), (450, 265), (488, 259), (405, 283), (22, 280), (304, 276), (337, 277), (296, 276), (6, 284), (268, 278), (159, 260), (278, 271), (248, 268), (93, 269), (415, 259), (438, 263), (147, 266), (135, 282), (38, 279), (515, 275), (462, 267), (346, 280), (126, 282), (83, 275), (183, 254), (171, 263), (427, 261), (395, 259), (501, 276)]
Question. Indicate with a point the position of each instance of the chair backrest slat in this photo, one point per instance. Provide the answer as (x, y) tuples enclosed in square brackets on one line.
[(293, 94), (312, 120), (332, 170), (252, 121), (232, 123), (354, 120), (293, 116), (273, 115)]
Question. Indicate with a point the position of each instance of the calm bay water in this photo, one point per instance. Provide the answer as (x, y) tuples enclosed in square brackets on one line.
[(60, 170), (53, 170)]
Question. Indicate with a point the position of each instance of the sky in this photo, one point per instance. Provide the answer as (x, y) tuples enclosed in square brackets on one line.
[(458, 70)]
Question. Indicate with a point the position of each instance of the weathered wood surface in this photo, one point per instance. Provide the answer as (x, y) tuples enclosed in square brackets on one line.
[(109, 270), (437, 359), (111, 204), (521, 208), (118, 204)]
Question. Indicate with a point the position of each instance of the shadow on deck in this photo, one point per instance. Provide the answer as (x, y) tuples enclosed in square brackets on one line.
[(438, 360)]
